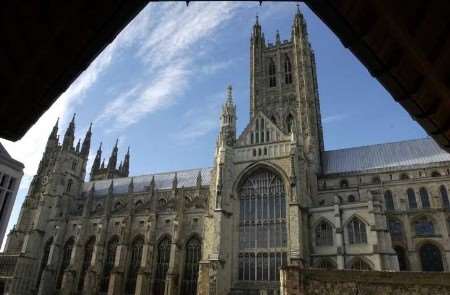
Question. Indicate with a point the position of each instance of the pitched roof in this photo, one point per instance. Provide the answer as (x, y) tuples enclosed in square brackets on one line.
[(185, 178), (387, 156)]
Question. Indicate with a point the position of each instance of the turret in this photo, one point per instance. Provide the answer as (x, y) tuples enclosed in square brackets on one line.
[(69, 136), (227, 134)]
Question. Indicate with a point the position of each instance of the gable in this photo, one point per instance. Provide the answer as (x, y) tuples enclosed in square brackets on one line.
[(261, 130)]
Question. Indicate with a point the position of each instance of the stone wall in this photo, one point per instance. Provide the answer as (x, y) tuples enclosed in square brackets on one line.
[(295, 281)]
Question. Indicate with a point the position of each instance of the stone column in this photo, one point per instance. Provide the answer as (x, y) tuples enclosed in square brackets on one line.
[(340, 242)]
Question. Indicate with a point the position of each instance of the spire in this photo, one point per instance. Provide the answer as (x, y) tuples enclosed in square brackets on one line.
[(229, 94), (278, 41), (87, 142), (54, 134), (297, 27), (126, 164), (199, 178), (175, 181), (113, 158), (96, 163), (69, 136), (77, 149), (256, 33)]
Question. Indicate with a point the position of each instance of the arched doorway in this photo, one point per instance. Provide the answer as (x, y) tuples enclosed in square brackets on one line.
[(431, 258), (402, 259)]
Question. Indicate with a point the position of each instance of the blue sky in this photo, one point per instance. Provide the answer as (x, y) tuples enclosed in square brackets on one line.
[(159, 87)]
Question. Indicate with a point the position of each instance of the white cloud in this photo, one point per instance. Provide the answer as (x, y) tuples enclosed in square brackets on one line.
[(334, 118), (168, 52)]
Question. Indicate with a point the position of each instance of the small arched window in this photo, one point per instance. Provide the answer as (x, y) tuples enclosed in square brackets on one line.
[(424, 226), (444, 197), (388, 201), (424, 198), (435, 174), (135, 263), (109, 263), (324, 234), (412, 202), (69, 185), (326, 264), (289, 123), (273, 119), (88, 251), (272, 74), (344, 183), (351, 198), (356, 230), (287, 70), (376, 180), (404, 176), (359, 264), (67, 254)]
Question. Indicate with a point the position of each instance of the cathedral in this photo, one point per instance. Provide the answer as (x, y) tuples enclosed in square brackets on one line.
[(274, 197)]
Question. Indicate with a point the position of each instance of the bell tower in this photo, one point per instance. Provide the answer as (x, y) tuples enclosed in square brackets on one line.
[(283, 86)]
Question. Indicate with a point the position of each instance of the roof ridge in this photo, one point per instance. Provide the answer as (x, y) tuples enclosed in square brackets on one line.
[(379, 144)]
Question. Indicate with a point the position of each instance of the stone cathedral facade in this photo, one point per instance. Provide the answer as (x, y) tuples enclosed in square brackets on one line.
[(273, 197)]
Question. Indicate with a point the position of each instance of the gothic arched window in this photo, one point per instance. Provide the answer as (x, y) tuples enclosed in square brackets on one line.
[(402, 258), (69, 185), (424, 226), (359, 264), (388, 200), (324, 234), (44, 260), (424, 198), (88, 251), (289, 123), (444, 197), (287, 70), (431, 258), (376, 180), (435, 174), (162, 265), (67, 253), (356, 230), (395, 229), (135, 263), (193, 255), (109, 263), (272, 74), (262, 227), (411, 198)]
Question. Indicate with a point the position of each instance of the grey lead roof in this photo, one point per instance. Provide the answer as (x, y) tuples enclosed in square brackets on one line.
[(388, 156), (185, 178)]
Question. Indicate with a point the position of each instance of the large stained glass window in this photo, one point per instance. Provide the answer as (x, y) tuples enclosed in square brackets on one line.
[(193, 255), (162, 265), (109, 263), (262, 227), (88, 251), (135, 264), (67, 253)]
